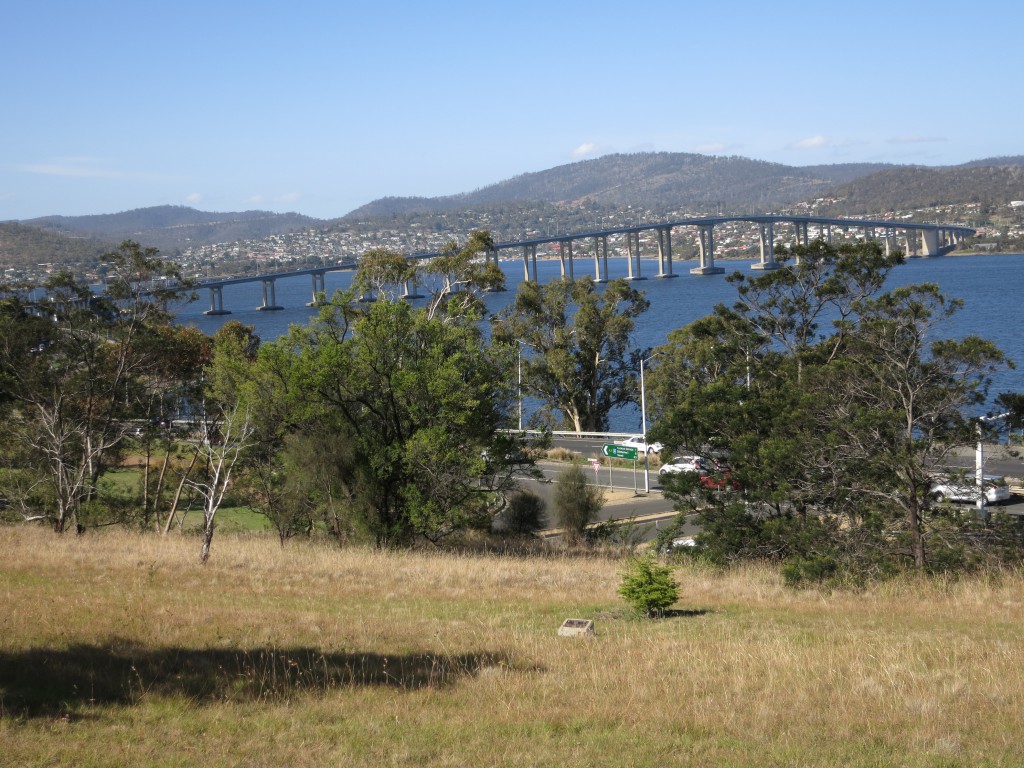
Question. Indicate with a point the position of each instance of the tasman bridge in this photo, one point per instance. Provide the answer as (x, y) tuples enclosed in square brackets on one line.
[(916, 239)]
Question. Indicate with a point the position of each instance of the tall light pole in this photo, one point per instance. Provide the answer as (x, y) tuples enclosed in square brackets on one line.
[(979, 466), (643, 420)]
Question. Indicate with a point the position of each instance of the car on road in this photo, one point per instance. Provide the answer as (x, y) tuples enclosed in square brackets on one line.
[(683, 464), (719, 481), (964, 489), (640, 443)]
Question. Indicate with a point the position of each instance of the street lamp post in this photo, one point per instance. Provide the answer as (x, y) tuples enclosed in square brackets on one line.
[(643, 421), (979, 467)]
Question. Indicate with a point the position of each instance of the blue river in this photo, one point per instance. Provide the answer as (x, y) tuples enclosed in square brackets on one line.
[(989, 286)]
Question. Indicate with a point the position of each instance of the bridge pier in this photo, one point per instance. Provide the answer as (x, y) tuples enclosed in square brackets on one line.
[(319, 289), (217, 302), (565, 248), (631, 249), (767, 241), (930, 242), (269, 299), (529, 257), (412, 292), (664, 252), (600, 257), (706, 235), (889, 237)]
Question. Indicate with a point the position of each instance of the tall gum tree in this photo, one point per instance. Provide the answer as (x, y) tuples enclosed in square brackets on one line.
[(833, 399), (578, 357), (73, 367)]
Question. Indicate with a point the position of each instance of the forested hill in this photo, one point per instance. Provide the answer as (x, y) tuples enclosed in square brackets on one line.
[(25, 248), (654, 181), (172, 227), (992, 182)]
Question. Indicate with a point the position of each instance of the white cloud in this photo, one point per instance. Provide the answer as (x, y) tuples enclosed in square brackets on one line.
[(913, 139), (194, 198), (811, 142), (710, 148), (585, 150), (80, 167)]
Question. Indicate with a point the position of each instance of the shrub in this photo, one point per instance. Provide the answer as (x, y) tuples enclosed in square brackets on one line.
[(576, 502), (648, 587), (524, 514), (800, 571)]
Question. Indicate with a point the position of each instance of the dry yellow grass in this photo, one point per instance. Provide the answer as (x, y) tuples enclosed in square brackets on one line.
[(119, 649)]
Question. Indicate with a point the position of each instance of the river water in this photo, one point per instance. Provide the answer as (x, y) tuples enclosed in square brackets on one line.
[(990, 286)]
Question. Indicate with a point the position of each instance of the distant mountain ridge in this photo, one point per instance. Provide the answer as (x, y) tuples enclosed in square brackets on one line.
[(565, 198), (173, 227), (656, 180), (992, 182)]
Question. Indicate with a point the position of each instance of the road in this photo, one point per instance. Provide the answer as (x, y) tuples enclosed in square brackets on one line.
[(626, 486)]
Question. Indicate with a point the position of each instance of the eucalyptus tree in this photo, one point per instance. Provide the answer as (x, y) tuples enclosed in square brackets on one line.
[(72, 366), (459, 274), (902, 398), (580, 361), (381, 270), (408, 408), (834, 399)]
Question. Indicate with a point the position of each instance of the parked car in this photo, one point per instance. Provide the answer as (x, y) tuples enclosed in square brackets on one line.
[(964, 489), (640, 443), (683, 464), (719, 481)]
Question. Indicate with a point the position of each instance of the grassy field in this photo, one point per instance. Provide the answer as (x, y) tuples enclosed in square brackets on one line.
[(120, 649)]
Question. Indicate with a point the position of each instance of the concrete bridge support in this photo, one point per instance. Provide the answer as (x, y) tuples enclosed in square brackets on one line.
[(601, 258), (767, 240), (269, 299), (319, 289), (565, 253), (411, 290), (633, 248), (930, 242), (665, 252), (802, 238), (706, 235), (529, 263), (217, 302), (889, 239)]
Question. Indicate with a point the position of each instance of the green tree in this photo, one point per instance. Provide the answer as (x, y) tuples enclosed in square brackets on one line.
[(72, 369), (835, 403), (417, 403), (577, 503), (581, 363), (460, 274), (900, 400), (648, 586), (228, 422), (381, 269)]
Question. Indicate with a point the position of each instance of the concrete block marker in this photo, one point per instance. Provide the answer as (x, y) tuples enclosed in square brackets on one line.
[(577, 628)]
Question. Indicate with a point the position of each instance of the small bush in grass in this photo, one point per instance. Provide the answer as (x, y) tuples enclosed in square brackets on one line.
[(524, 514), (648, 586), (576, 502)]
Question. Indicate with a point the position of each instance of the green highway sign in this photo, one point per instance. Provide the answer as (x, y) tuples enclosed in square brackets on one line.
[(619, 452)]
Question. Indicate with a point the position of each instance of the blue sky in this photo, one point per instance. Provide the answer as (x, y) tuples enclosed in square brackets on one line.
[(320, 107)]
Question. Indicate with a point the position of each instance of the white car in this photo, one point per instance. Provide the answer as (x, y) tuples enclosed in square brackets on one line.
[(683, 464), (965, 489), (641, 445)]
